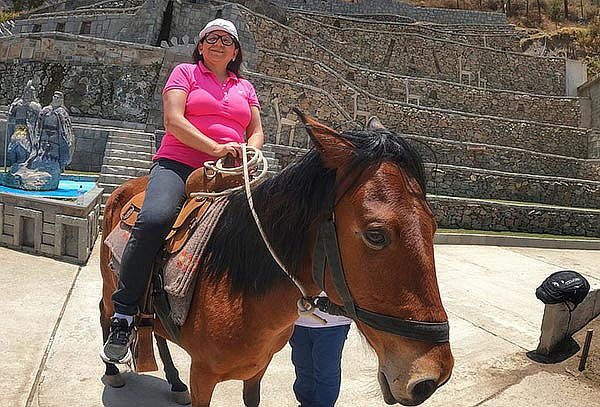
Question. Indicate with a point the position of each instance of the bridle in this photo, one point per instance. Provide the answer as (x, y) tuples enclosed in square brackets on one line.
[(327, 251)]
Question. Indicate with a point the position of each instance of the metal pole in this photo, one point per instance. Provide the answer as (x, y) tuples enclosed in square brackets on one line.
[(6, 144), (586, 349)]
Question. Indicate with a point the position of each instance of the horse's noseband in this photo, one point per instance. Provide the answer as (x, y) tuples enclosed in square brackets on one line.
[(327, 250)]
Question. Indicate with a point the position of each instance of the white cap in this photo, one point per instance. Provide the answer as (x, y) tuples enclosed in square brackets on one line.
[(219, 24)]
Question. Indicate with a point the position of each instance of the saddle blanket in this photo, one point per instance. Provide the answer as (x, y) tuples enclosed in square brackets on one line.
[(179, 271)]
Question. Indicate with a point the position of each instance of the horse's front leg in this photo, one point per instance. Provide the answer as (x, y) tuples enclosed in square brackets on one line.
[(252, 389), (202, 384)]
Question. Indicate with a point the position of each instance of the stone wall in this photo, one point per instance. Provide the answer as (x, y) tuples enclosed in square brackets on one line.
[(189, 19), (443, 16), (446, 124), (121, 21), (50, 227), (507, 41), (423, 56), (457, 213), (100, 78), (429, 93), (478, 183), (591, 89), (508, 159)]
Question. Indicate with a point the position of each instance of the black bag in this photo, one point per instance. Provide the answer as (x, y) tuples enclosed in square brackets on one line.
[(563, 286)]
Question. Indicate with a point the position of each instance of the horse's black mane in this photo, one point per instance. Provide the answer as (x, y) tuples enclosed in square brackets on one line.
[(288, 205)]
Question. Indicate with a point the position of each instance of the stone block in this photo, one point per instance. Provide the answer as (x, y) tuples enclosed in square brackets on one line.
[(559, 323), (27, 231), (71, 237)]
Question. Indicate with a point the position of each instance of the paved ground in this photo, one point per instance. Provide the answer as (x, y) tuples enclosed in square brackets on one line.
[(50, 338)]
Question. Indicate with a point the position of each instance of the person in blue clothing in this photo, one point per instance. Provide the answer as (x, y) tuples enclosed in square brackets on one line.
[(317, 358)]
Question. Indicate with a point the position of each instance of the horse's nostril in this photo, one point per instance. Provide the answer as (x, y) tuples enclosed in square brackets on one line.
[(422, 390)]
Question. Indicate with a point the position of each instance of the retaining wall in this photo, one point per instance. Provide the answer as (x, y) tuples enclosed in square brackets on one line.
[(425, 56), (476, 214), (426, 92), (591, 89), (503, 40), (437, 15)]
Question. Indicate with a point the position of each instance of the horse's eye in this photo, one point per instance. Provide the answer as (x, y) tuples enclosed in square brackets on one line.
[(376, 239)]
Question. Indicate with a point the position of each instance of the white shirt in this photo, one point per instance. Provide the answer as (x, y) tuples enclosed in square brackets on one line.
[(332, 320)]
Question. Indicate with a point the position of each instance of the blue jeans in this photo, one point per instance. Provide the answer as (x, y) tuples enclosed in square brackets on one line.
[(317, 357), (165, 195)]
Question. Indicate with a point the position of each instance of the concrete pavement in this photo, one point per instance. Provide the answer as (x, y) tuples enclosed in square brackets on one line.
[(51, 337)]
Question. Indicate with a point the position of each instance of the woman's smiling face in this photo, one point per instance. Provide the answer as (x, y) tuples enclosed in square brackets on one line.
[(221, 51)]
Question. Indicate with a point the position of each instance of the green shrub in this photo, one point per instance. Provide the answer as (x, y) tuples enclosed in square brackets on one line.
[(555, 11)]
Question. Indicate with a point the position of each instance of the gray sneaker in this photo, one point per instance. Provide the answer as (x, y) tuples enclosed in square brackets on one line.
[(116, 349)]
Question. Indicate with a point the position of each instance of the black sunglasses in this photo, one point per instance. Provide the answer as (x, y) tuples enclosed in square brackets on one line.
[(226, 40)]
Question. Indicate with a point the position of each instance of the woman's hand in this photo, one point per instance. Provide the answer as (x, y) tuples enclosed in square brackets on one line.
[(233, 148)]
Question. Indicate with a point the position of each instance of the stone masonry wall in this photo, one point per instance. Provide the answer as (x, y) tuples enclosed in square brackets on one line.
[(437, 123), (508, 159), (437, 94), (443, 16), (592, 90), (507, 41), (418, 55), (457, 213), (138, 24), (103, 79), (478, 183)]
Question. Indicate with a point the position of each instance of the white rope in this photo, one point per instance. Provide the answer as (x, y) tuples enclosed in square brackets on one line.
[(305, 307), (217, 167)]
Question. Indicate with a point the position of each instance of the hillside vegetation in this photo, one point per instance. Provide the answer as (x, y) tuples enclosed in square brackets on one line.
[(569, 28)]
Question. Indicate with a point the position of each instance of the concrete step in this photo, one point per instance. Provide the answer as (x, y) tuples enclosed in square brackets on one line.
[(127, 162), (482, 214), (129, 147), (138, 155), (461, 181), (123, 170)]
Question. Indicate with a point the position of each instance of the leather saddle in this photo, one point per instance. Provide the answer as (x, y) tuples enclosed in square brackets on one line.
[(193, 209)]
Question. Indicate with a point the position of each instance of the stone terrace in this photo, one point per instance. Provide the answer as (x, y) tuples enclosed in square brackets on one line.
[(501, 39)]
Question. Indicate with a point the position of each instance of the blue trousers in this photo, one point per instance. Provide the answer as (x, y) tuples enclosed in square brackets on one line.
[(165, 195), (317, 357)]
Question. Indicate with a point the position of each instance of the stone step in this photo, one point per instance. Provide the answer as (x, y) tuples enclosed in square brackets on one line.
[(129, 147), (480, 214), (123, 170), (114, 179), (127, 162), (470, 182), (138, 155), (131, 140)]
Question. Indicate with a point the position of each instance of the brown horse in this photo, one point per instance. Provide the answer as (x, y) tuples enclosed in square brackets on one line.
[(244, 306)]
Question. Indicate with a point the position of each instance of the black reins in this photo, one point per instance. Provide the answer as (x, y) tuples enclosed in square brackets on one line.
[(327, 251)]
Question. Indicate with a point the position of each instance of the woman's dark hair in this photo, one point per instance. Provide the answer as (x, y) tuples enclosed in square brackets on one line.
[(233, 66)]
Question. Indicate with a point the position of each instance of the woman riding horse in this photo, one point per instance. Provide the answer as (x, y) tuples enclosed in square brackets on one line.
[(208, 108)]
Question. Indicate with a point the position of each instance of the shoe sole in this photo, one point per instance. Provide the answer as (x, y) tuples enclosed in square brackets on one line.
[(123, 361)]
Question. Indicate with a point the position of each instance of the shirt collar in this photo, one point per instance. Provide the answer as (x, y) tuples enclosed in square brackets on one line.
[(207, 71)]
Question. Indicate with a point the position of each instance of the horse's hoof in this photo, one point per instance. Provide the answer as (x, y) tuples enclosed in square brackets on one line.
[(182, 397), (115, 380)]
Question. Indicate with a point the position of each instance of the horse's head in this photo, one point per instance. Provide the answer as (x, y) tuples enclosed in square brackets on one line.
[(385, 232)]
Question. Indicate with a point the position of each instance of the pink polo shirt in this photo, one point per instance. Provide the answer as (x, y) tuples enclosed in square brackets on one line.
[(221, 111)]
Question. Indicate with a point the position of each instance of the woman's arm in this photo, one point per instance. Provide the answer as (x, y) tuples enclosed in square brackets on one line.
[(180, 127), (254, 131)]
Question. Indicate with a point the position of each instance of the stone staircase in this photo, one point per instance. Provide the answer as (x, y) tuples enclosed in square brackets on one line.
[(129, 155)]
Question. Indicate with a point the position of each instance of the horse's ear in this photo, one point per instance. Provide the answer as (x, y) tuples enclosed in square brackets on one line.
[(375, 124), (334, 150)]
